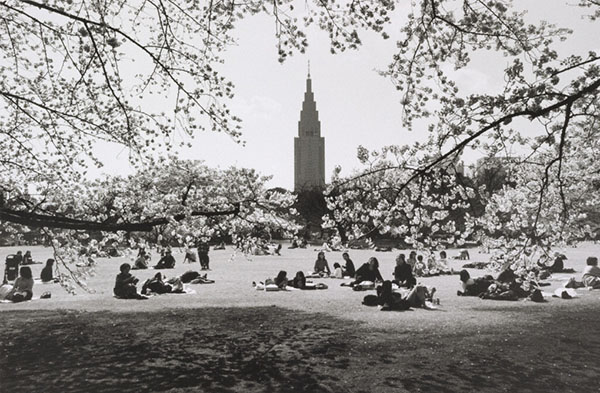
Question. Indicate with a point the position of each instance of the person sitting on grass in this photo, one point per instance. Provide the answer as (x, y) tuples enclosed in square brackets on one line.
[(412, 259), (369, 271), (337, 271), (558, 266), (403, 275), (591, 273), (125, 284), (190, 256), (220, 246), (22, 289), (349, 269), (47, 272), (166, 262), (27, 259), (473, 286), (387, 299), (419, 267), (442, 263), (321, 265), (141, 262)]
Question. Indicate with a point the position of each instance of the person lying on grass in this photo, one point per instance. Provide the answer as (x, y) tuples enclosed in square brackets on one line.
[(22, 289), (389, 300), (509, 286), (300, 282), (403, 275), (193, 277), (273, 284), (473, 286), (125, 284), (157, 285)]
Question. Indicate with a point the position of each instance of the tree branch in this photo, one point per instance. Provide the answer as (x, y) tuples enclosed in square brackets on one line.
[(51, 221)]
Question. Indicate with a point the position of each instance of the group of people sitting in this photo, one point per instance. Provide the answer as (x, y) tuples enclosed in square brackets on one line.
[(166, 261), (126, 283), (22, 288), (321, 267), (511, 286)]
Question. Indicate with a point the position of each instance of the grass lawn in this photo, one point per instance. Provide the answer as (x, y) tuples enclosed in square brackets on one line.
[(230, 337)]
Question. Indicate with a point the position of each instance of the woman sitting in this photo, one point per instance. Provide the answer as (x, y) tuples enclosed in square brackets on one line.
[(125, 284), (27, 259), (166, 262), (321, 265), (47, 272), (141, 262), (558, 266), (368, 272), (348, 268), (23, 287), (403, 276)]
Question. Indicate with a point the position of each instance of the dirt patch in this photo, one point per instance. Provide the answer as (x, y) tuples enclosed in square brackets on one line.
[(272, 349)]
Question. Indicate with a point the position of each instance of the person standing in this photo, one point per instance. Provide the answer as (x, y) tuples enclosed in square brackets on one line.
[(203, 249)]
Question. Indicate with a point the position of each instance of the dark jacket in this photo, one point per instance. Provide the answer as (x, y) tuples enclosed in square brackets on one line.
[(46, 274), (166, 262), (349, 268), (364, 273), (403, 274)]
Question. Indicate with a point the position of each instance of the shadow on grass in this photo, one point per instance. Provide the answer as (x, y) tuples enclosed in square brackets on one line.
[(270, 349), (216, 350)]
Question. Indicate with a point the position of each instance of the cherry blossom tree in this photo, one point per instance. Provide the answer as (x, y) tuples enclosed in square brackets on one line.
[(66, 84)]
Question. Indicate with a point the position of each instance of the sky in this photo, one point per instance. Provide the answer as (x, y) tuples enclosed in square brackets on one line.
[(356, 105)]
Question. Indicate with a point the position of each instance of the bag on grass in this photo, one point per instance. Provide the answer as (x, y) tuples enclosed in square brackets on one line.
[(4, 290), (370, 300)]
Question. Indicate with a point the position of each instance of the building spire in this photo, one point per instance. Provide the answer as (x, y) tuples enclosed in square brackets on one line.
[(309, 69)]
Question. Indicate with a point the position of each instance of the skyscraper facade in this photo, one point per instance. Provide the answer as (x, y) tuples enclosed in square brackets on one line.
[(309, 146)]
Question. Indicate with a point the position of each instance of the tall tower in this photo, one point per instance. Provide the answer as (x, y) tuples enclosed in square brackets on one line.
[(309, 146)]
